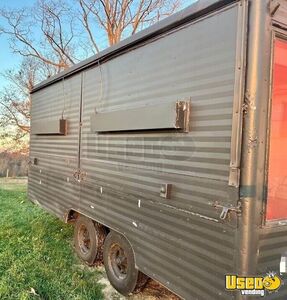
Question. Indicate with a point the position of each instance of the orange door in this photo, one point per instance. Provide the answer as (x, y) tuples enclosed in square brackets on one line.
[(277, 177)]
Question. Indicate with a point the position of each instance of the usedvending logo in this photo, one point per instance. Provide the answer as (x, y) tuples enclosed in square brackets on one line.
[(254, 285)]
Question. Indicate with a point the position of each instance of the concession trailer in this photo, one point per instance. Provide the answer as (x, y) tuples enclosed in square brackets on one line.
[(168, 152)]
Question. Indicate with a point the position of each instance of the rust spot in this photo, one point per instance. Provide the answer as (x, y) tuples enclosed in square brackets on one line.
[(252, 143)]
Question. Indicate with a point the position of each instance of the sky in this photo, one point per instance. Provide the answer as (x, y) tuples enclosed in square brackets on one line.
[(8, 59)]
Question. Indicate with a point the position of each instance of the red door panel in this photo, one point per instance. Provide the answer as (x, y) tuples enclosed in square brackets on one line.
[(277, 176)]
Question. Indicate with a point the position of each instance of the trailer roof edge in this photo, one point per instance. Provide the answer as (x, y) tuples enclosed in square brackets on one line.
[(192, 12)]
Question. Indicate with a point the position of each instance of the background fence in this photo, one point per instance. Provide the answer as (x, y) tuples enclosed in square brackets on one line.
[(13, 164)]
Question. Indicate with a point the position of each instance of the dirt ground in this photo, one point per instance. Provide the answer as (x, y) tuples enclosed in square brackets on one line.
[(152, 291), (13, 183)]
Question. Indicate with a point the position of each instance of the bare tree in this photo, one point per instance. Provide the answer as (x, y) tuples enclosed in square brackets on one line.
[(118, 19), (15, 99), (52, 31), (45, 32)]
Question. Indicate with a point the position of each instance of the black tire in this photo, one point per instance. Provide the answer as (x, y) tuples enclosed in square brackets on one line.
[(120, 265), (89, 240)]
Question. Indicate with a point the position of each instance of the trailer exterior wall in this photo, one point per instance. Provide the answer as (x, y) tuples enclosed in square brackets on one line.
[(271, 235), (178, 241), (171, 243), (51, 178)]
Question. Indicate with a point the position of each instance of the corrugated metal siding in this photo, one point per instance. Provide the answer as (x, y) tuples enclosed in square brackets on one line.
[(51, 181), (179, 249), (200, 68), (272, 244), (174, 240), (178, 241)]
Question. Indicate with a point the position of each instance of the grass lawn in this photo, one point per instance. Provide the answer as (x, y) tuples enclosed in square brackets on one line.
[(36, 253)]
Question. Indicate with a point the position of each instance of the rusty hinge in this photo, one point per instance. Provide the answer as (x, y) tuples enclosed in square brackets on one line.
[(79, 175), (225, 210)]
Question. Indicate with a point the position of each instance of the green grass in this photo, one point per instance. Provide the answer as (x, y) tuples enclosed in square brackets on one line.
[(36, 254)]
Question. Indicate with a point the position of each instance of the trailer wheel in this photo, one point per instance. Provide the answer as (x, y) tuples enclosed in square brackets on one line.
[(120, 265), (88, 240)]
